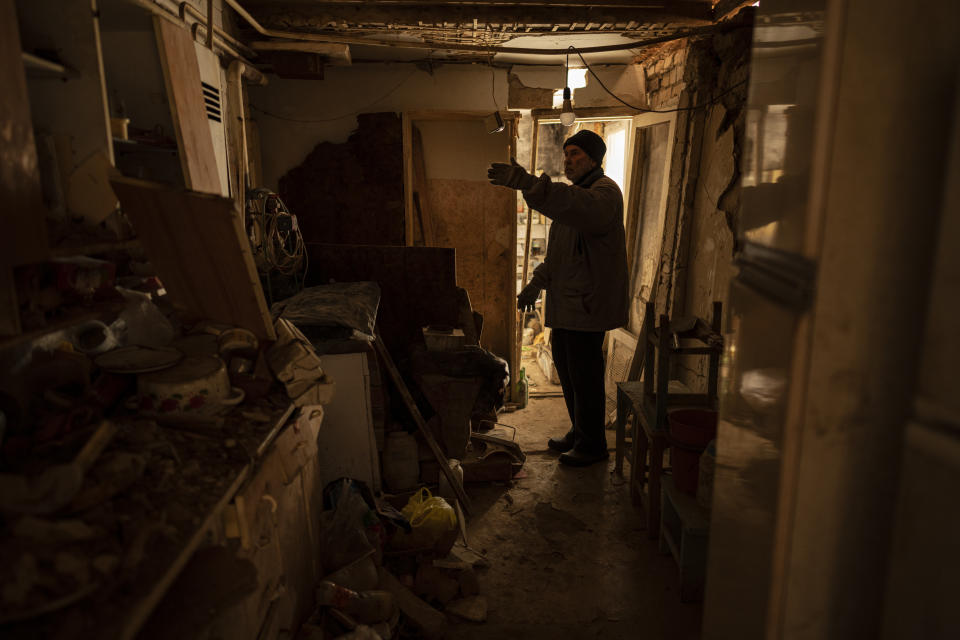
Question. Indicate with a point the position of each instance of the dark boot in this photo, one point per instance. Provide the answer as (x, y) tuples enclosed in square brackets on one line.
[(583, 458), (563, 444)]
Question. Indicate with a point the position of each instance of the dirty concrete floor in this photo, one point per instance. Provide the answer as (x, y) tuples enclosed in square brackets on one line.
[(569, 554)]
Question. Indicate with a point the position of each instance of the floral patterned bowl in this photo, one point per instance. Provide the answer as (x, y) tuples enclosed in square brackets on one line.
[(198, 384)]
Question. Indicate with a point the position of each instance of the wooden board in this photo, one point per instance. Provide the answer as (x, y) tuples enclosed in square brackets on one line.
[(423, 221), (652, 163), (409, 215), (181, 74), (199, 252), (22, 213), (455, 483), (479, 221)]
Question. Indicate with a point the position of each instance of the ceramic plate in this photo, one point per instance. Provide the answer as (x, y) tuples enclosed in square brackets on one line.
[(137, 359)]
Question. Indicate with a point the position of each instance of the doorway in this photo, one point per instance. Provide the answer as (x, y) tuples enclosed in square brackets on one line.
[(546, 151)]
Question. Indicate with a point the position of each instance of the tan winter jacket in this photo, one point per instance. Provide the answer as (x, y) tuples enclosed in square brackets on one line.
[(585, 269)]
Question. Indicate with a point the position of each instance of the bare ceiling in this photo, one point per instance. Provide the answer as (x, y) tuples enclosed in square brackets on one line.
[(472, 31)]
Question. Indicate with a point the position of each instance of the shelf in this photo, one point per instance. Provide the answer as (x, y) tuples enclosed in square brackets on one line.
[(41, 68), (93, 249), (694, 519), (72, 317), (132, 146)]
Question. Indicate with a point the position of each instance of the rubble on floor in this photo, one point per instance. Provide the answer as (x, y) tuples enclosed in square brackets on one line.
[(393, 577)]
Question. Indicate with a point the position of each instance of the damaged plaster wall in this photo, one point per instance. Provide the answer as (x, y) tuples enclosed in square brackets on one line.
[(295, 115), (532, 87), (706, 242), (705, 79)]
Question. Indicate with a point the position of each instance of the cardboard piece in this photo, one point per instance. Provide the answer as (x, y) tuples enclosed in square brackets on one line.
[(89, 194), (296, 364)]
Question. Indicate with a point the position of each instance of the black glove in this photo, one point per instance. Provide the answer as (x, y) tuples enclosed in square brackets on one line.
[(527, 298), (510, 175)]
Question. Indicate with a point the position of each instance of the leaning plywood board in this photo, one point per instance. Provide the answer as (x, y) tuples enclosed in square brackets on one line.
[(479, 221), (199, 252), (22, 213), (474, 217), (181, 73)]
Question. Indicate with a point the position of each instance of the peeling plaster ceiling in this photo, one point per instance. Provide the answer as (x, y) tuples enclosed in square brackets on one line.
[(531, 24)]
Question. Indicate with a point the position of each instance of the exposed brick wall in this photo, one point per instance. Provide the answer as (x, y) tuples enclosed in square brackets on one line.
[(664, 66)]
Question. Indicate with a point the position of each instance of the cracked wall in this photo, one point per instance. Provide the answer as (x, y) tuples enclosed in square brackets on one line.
[(705, 200)]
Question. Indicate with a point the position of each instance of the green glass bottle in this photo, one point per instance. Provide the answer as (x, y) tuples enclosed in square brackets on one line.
[(523, 391)]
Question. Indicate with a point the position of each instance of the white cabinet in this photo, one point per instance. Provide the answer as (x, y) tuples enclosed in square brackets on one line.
[(346, 446)]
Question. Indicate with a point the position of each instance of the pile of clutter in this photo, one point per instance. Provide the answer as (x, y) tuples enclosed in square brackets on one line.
[(392, 573), (117, 422)]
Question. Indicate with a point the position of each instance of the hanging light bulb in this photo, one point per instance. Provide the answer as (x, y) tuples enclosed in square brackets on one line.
[(567, 116)]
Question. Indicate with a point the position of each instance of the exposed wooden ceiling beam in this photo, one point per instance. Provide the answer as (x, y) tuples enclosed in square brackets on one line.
[(726, 8), (336, 53), (316, 15)]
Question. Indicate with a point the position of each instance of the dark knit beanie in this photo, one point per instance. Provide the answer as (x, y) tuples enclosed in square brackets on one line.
[(591, 143)]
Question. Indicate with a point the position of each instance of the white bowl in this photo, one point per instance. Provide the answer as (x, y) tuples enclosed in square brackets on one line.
[(197, 384)]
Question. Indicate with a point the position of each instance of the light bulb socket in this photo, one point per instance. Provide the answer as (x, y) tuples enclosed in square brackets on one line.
[(567, 116), (566, 94)]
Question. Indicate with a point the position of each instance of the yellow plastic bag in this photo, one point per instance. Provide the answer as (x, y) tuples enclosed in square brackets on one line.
[(433, 521)]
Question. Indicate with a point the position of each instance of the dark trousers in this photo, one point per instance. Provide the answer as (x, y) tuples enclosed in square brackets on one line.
[(578, 356)]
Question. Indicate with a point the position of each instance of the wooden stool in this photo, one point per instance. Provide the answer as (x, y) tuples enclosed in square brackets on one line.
[(642, 404), (646, 441), (629, 399), (684, 533)]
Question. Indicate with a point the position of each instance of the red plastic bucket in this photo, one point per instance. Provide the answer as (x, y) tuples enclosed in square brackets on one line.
[(691, 430)]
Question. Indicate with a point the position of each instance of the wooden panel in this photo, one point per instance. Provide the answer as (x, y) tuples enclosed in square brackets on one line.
[(181, 73), (22, 213), (422, 221), (645, 218), (407, 142), (478, 220), (418, 285), (199, 252)]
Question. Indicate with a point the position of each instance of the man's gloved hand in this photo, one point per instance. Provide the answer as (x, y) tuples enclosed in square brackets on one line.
[(510, 175), (527, 298)]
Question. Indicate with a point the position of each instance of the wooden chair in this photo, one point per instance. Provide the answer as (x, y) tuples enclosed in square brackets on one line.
[(642, 404)]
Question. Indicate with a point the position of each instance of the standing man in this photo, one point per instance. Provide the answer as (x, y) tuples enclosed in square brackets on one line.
[(585, 275)]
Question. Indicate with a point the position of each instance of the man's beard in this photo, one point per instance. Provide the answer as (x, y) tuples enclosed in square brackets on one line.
[(576, 175)]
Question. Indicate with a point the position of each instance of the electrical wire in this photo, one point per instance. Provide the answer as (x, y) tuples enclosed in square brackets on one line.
[(709, 102), (281, 251), (346, 115), (493, 81)]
